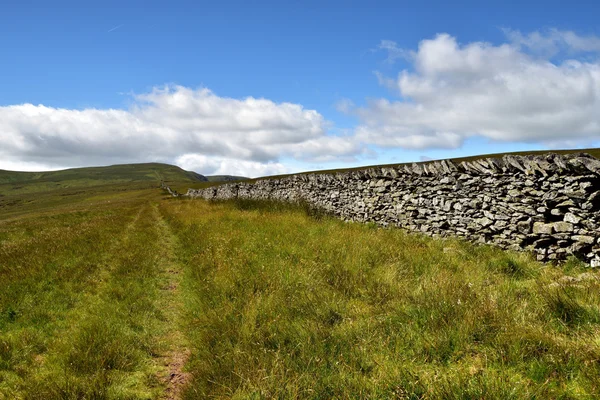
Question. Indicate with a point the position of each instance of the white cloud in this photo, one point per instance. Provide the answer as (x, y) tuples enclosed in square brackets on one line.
[(554, 41), (499, 92), (165, 124), (394, 52), (228, 166), (344, 105)]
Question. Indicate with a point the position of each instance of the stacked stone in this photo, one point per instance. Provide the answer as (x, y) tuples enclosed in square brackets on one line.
[(166, 187), (549, 204)]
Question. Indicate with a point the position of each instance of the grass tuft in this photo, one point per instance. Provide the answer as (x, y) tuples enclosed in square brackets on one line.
[(566, 304)]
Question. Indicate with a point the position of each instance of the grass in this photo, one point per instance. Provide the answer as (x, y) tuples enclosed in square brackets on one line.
[(12, 182), (104, 286), (280, 305), (79, 303)]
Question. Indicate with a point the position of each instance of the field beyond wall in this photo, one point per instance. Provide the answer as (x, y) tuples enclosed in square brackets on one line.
[(125, 293)]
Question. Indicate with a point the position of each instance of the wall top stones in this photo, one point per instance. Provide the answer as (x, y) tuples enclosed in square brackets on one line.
[(534, 165)]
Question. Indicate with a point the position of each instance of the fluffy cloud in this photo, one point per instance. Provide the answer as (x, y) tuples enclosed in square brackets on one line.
[(228, 166), (500, 92), (224, 135)]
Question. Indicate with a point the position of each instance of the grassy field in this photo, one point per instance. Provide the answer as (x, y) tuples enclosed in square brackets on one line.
[(121, 292)]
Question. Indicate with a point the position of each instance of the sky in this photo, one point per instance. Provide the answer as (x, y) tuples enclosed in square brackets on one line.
[(261, 88)]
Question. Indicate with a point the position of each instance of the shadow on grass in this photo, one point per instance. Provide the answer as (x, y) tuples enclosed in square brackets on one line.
[(280, 207)]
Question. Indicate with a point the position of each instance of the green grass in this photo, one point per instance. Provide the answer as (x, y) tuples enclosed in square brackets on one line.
[(12, 183), (280, 305), (78, 309), (103, 286)]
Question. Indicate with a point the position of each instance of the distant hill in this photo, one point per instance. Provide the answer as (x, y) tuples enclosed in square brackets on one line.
[(29, 182), (225, 178)]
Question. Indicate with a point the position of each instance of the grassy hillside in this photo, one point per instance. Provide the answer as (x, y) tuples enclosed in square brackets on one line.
[(12, 182), (225, 178), (109, 174), (121, 292)]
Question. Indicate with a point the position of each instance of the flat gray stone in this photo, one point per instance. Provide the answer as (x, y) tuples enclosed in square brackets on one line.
[(541, 228), (563, 227), (584, 239), (484, 222)]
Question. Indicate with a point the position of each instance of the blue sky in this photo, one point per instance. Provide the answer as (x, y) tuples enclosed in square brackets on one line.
[(85, 83)]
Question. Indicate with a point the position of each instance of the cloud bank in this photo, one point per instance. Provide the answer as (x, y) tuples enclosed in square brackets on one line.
[(507, 92), (196, 128)]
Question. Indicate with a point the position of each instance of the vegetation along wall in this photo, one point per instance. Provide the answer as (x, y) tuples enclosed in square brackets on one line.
[(548, 204)]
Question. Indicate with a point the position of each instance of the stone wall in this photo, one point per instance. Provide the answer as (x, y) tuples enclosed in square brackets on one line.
[(548, 204)]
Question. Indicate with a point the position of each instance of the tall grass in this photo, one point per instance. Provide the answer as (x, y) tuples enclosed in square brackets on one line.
[(80, 304), (46, 263), (283, 306), (273, 300)]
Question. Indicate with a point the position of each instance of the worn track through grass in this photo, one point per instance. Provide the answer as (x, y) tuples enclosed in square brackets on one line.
[(177, 353)]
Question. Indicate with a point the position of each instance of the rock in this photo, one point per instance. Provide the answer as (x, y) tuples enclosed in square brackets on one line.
[(563, 226), (591, 164), (566, 204), (500, 224), (484, 222), (583, 239), (489, 214), (514, 193), (576, 194), (524, 227), (541, 228), (572, 218)]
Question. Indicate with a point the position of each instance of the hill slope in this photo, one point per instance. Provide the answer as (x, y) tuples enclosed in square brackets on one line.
[(14, 182), (121, 173), (225, 178)]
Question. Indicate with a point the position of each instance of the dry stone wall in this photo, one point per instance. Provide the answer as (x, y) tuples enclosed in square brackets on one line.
[(549, 204)]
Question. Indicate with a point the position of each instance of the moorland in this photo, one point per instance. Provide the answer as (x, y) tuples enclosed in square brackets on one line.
[(112, 289)]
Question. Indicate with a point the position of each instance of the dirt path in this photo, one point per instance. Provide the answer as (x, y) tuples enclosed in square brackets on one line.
[(177, 352)]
